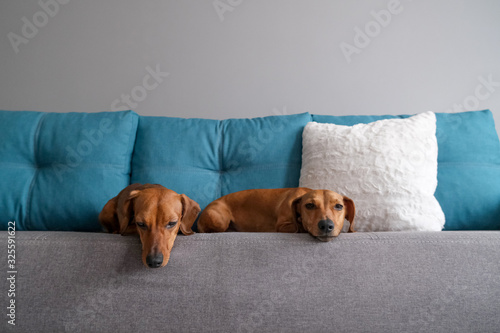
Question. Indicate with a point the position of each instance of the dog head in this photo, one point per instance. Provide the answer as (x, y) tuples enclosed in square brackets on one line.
[(321, 213), (158, 214)]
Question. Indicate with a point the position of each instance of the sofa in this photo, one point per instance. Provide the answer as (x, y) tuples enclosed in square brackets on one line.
[(63, 274)]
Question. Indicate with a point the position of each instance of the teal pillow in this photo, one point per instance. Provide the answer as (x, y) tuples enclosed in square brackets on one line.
[(468, 166), (206, 159), (59, 169), (262, 152), (180, 154)]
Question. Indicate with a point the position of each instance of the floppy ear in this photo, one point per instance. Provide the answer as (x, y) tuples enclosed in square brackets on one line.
[(127, 212), (190, 210), (296, 211), (350, 212), (108, 217)]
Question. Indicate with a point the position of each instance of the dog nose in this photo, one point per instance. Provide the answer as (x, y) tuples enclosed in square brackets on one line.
[(326, 226), (154, 260)]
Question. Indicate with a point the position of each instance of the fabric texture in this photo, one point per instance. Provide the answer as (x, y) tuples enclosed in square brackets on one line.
[(468, 166), (59, 169), (258, 282), (388, 168), (206, 159), (180, 154)]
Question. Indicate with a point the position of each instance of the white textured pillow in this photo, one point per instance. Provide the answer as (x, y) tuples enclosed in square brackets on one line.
[(388, 167)]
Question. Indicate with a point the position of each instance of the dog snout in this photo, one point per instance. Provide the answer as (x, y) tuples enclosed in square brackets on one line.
[(326, 226), (154, 260)]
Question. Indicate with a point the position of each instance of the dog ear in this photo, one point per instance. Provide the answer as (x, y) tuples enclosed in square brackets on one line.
[(296, 211), (350, 212), (127, 211), (190, 210), (108, 217)]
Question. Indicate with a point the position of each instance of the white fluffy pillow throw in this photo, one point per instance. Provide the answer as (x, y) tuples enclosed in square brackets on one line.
[(389, 169)]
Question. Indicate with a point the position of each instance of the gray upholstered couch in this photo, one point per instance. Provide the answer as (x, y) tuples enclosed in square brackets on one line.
[(58, 170), (242, 282)]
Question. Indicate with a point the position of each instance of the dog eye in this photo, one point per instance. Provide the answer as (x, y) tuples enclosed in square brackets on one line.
[(310, 206), (338, 207), (171, 224), (141, 225)]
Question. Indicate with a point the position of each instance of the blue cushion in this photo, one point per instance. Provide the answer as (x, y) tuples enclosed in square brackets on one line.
[(59, 169), (180, 154), (468, 169), (206, 159), (262, 152)]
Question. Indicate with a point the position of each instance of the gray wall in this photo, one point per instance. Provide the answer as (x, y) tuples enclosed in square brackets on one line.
[(246, 58)]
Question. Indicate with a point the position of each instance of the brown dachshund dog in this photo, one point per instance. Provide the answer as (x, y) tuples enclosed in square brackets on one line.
[(156, 213), (318, 212)]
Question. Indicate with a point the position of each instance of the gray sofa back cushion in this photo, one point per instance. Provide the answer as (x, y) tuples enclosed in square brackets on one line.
[(241, 282)]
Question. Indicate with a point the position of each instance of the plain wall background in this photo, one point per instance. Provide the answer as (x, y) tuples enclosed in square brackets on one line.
[(253, 58)]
